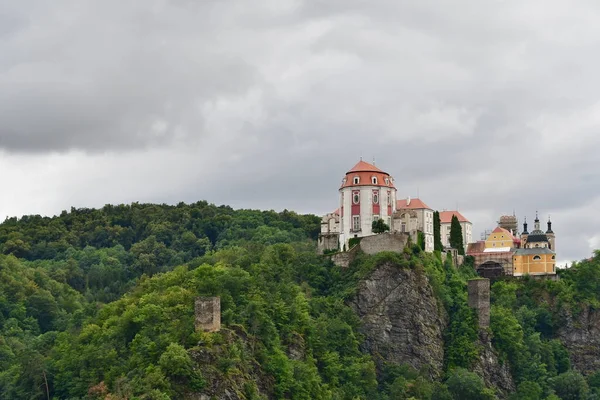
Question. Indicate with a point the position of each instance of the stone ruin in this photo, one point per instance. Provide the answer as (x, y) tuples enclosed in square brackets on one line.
[(208, 314), (479, 299)]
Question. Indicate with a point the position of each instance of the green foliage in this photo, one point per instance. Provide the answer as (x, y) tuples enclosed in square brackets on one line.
[(379, 226), (456, 235), (353, 242), (421, 240), (465, 385), (570, 386), (437, 236)]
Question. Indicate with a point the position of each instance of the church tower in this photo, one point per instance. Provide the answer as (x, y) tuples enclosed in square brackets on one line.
[(367, 193), (551, 237), (524, 234)]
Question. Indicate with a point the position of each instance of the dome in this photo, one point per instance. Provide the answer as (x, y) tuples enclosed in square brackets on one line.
[(365, 174)]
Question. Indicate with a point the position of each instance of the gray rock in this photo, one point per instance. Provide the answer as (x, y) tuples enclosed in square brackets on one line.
[(581, 336), (401, 319), (495, 374)]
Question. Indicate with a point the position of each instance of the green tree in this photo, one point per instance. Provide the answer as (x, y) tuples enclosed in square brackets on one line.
[(456, 236), (379, 226), (465, 385), (437, 235), (570, 386)]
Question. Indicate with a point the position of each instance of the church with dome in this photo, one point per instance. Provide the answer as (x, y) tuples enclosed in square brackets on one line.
[(537, 253)]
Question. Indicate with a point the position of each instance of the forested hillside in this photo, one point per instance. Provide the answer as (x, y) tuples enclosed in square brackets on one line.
[(98, 304)]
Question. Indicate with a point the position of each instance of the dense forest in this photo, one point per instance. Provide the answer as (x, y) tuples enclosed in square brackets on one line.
[(98, 304)]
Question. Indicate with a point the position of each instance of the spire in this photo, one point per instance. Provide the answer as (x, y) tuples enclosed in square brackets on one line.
[(525, 227), (536, 225), (549, 226)]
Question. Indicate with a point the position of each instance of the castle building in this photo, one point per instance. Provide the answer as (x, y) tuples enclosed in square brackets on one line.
[(446, 222), (414, 214), (367, 194)]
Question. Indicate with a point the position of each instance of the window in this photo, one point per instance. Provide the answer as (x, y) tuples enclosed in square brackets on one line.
[(387, 181), (403, 227), (374, 180), (356, 197), (375, 217), (537, 257), (389, 198), (375, 197), (356, 223), (356, 180), (553, 257)]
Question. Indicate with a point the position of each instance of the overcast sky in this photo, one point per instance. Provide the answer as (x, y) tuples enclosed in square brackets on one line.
[(489, 106)]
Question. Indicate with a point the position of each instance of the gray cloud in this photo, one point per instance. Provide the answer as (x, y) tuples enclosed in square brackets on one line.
[(488, 105)]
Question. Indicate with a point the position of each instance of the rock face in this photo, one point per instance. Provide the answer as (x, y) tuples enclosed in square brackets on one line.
[(581, 336), (402, 321), (494, 373)]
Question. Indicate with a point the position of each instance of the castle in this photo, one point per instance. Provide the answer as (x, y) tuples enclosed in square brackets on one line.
[(368, 194)]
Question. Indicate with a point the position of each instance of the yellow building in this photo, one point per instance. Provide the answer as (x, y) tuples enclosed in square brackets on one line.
[(500, 238), (536, 257)]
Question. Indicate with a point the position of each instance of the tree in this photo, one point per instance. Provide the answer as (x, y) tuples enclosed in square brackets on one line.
[(456, 236), (570, 386), (437, 236), (466, 385), (379, 226)]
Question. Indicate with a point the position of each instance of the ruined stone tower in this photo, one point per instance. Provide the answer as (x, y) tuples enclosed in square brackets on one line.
[(208, 314), (479, 299)]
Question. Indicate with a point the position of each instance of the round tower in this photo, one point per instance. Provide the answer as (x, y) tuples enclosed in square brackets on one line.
[(367, 193)]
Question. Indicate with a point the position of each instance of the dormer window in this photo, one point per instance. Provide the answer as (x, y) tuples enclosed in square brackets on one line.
[(537, 258), (374, 180), (356, 180), (387, 181)]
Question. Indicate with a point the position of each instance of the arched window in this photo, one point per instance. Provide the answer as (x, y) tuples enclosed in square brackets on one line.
[(374, 180), (356, 197), (537, 257), (387, 181), (553, 257), (356, 180), (375, 197)]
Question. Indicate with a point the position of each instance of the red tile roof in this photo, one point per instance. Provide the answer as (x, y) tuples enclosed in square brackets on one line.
[(501, 230), (366, 172), (412, 204), (446, 217), (363, 166)]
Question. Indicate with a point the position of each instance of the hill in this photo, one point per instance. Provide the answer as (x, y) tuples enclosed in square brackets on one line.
[(99, 304)]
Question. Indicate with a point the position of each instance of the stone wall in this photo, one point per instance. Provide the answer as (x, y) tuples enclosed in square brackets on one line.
[(208, 314), (327, 241), (343, 259), (384, 242), (479, 299)]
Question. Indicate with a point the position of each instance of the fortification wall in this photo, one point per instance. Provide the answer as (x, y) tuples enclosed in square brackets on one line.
[(384, 242)]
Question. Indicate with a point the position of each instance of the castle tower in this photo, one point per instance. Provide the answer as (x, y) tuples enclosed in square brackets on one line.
[(551, 237), (524, 234), (367, 194)]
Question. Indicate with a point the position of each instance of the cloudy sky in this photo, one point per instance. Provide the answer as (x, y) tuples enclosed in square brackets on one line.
[(489, 106)]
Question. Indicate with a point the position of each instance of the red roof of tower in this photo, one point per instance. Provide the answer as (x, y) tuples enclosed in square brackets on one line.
[(363, 166), (446, 217), (367, 175), (413, 204)]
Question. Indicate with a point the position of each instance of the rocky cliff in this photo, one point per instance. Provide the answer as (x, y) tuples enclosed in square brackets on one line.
[(581, 336), (402, 321), (494, 373)]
